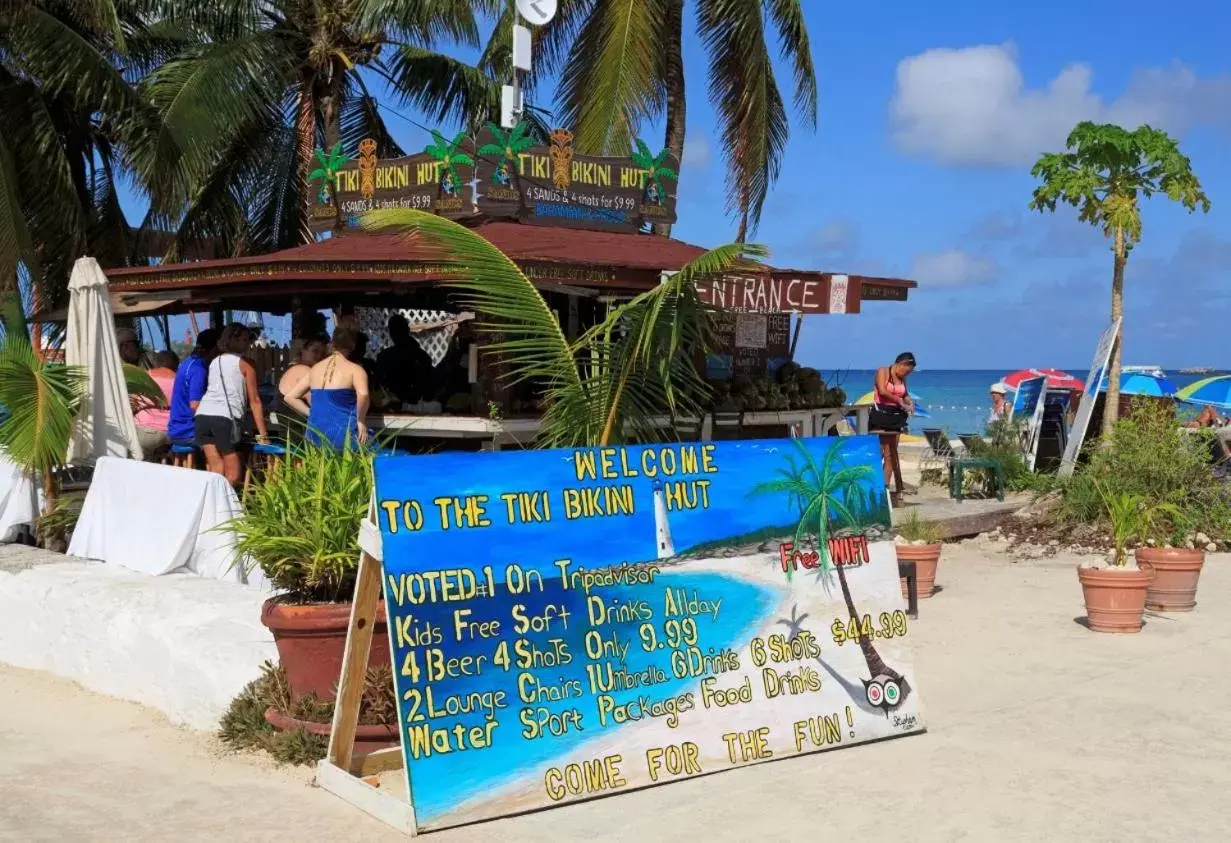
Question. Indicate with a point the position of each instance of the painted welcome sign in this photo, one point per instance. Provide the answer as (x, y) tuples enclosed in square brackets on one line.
[(568, 624)]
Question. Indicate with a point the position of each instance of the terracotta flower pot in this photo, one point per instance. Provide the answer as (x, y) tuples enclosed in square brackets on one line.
[(311, 638), (367, 738), (1176, 571), (926, 557), (1115, 597)]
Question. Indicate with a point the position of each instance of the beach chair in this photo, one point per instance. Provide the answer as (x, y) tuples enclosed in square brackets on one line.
[(939, 452), (966, 439)]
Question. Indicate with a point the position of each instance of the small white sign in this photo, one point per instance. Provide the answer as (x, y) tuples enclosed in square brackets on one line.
[(521, 47), (511, 102), (837, 293), (750, 330), (537, 12)]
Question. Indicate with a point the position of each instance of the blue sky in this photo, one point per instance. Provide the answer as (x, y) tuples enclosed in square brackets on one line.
[(930, 116)]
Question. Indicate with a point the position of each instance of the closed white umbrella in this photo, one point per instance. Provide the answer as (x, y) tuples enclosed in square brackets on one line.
[(105, 426)]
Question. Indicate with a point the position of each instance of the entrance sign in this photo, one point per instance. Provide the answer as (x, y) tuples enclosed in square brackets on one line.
[(1094, 382), (567, 624)]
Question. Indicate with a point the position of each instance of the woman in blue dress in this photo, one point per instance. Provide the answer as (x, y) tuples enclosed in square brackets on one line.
[(340, 399)]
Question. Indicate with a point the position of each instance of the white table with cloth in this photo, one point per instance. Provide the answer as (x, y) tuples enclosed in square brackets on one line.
[(19, 499), (158, 519)]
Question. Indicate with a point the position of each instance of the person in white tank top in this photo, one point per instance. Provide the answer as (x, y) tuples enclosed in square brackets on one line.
[(230, 390)]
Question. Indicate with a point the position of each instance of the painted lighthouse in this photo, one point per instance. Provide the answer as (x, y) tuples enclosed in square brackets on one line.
[(662, 530)]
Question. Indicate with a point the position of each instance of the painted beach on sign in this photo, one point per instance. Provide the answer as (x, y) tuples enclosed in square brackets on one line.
[(574, 623)]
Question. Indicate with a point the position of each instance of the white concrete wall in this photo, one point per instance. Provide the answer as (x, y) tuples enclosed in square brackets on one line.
[(182, 644)]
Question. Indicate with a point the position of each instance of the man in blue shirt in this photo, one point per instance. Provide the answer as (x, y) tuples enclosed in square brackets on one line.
[(190, 379)]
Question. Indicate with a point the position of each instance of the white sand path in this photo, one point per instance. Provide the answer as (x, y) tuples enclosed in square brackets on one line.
[(1039, 730)]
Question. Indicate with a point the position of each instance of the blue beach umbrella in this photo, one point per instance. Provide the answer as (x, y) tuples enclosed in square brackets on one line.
[(1145, 383), (1214, 392)]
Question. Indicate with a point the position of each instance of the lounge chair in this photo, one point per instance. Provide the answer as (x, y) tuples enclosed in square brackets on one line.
[(939, 452), (967, 439)]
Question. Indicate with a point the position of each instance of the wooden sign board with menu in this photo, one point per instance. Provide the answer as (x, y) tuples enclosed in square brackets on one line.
[(567, 624), (746, 343)]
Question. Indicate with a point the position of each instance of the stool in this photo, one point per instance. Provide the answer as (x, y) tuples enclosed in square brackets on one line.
[(959, 466), (891, 440), (181, 456), (270, 456)]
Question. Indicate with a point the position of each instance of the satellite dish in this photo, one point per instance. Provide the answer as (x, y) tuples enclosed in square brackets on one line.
[(537, 12)]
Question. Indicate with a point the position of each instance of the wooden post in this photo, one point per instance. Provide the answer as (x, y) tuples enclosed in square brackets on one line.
[(336, 771), (799, 324)]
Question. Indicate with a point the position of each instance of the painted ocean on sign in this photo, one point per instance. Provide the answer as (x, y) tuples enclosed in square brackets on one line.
[(572, 623)]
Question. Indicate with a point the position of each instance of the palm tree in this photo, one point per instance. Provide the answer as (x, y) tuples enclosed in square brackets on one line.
[(267, 81), (606, 386), (653, 166), (621, 64), (448, 153), (821, 493), (69, 112), (508, 146)]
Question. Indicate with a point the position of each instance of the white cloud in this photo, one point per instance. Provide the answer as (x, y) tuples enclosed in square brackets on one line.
[(953, 268), (839, 238), (697, 151), (972, 106)]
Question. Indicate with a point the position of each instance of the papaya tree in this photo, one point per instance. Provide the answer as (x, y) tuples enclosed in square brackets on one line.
[(1104, 173)]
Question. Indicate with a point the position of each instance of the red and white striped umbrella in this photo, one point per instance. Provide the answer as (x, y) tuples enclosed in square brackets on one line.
[(1056, 379)]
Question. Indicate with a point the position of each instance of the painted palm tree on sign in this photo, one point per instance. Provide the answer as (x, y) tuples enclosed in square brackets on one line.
[(508, 146), (327, 173), (621, 65), (655, 172), (449, 154), (821, 492)]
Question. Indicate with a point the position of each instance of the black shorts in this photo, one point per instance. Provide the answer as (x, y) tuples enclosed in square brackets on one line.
[(888, 419), (217, 431)]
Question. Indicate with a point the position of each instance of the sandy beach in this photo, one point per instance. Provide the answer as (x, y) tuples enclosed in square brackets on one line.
[(1038, 729)]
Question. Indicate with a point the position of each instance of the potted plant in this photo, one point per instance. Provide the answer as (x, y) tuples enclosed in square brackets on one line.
[(300, 526), (1176, 571), (1115, 591), (918, 541)]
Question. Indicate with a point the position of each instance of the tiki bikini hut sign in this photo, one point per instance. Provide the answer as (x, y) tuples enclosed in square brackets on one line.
[(514, 176), (555, 185), (569, 624), (437, 179)]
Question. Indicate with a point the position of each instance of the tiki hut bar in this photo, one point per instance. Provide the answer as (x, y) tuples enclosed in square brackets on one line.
[(575, 227)]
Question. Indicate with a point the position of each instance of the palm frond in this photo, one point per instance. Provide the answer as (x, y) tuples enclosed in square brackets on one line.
[(750, 109), (793, 42), (443, 88), (612, 81), (42, 399)]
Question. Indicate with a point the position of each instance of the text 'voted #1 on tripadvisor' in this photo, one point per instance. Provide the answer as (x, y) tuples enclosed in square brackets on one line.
[(574, 623)]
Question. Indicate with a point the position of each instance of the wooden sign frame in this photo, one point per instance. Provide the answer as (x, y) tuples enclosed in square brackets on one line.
[(340, 772)]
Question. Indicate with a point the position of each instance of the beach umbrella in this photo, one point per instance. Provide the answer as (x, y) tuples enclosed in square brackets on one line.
[(1056, 379), (105, 425), (1215, 392), (921, 412), (1144, 383)]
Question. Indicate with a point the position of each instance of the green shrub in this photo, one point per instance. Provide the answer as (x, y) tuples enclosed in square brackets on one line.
[(1152, 458), (913, 529), (1003, 445), (243, 726), (300, 524)]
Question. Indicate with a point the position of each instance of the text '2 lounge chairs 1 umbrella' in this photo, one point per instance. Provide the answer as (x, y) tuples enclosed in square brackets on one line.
[(1212, 392), (105, 426), (1056, 379)]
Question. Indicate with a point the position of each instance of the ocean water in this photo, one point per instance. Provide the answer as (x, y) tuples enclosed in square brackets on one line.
[(956, 399)]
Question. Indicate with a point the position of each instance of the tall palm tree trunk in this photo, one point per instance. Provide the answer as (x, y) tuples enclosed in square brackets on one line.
[(305, 131), (333, 133), (676, 106), (876, 665), (1111, 407)]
